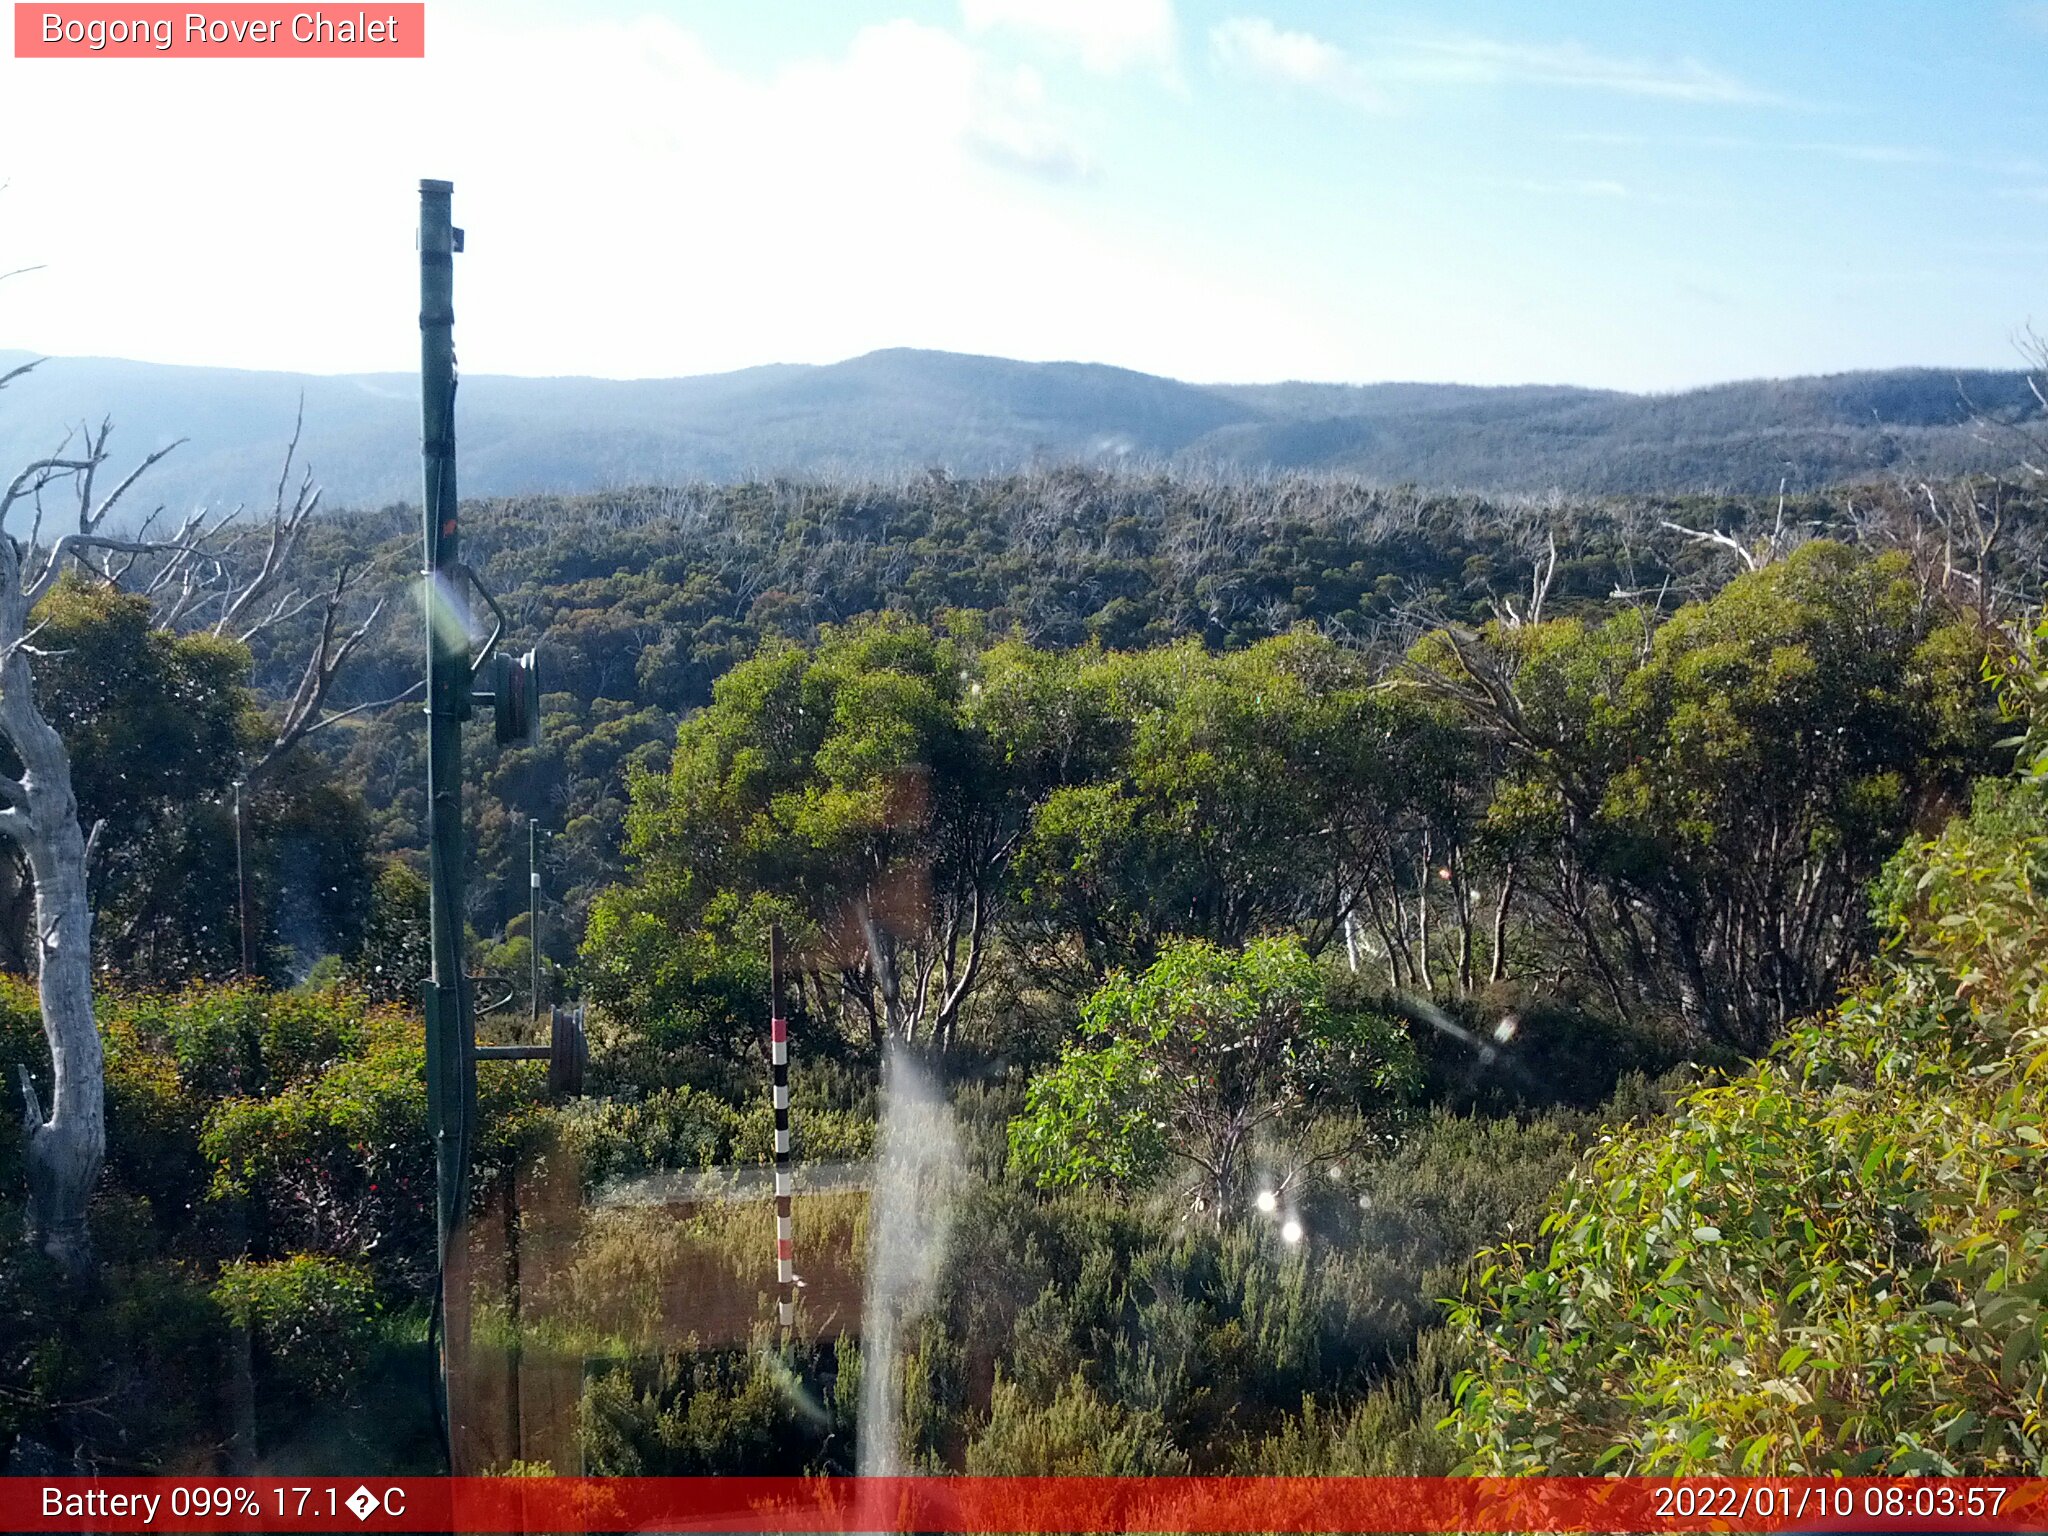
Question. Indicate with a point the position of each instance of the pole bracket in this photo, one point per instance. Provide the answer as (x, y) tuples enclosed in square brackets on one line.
[(567, 1051)]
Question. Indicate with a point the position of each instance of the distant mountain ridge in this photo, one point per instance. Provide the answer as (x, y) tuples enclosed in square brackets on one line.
[(901, 411)]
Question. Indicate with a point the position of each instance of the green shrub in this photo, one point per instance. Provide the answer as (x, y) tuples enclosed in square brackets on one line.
[(1834, 1262), (1189, 1061), (324, 975), (831, 1114), (174, 1060), (817, 1133), (122, 1372), (313, 1319), (340, 1162), (1393, 1431), (676, 1004), (1224, 1335), (671, 1128), (1076, 1435), (691, 1415), (396, 952), (247, 1041)]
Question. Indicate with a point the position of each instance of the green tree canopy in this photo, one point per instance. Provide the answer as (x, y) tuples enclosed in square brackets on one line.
[(840, 786), (1710, 795), (158, 725), (1833, 1263), (903, 800), (1196, 1061), (1191, 794)]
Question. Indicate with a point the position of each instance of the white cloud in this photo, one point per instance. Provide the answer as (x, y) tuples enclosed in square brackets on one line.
[(1107, 36), (1878, 154), (635, 205), (1255, 46), (1578, 188), (1013, 131), (1491, 61), (1252, 45)]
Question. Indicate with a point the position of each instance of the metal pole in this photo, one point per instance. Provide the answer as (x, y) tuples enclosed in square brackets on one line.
[(242, 884), (451, 1068), (533, 905)]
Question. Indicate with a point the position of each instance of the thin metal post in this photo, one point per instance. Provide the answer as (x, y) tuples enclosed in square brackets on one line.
[(242, 885)]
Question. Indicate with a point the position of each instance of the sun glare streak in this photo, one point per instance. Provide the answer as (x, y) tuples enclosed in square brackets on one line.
[(451, 614)]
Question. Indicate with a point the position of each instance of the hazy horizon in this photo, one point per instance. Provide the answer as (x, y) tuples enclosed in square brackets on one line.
[(2018, 364)]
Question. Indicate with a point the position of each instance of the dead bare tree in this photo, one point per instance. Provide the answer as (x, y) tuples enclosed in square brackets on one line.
[(207, 575), (236, 582), (1543, 573)]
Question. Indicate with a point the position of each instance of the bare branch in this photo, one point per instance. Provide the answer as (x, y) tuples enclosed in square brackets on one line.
[(75, 545), (305, 713), (353, 710), (287, 528), (34, 477), (24, 642), (1715, 536), (31, 1106), (1543, 574), (89, 521)]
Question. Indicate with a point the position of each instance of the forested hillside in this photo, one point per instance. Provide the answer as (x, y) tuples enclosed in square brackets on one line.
[(644, 599), (1262, 897)]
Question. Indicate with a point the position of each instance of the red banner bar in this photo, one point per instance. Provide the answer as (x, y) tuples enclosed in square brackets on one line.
[(996, 1504), (227, 31)]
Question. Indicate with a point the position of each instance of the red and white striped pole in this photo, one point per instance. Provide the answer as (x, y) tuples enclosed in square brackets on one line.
[(778, 1055)]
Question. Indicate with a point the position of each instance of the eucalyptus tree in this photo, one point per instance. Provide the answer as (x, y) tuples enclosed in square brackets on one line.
[(1183, 793), (1198, 1060), (840, 788), (1698, 805), (202, 578)]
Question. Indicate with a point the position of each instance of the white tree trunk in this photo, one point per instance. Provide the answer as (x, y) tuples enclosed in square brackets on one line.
[(66, 1149)]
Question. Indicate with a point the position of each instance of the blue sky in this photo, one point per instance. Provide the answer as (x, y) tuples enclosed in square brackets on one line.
[(1631, 195)]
